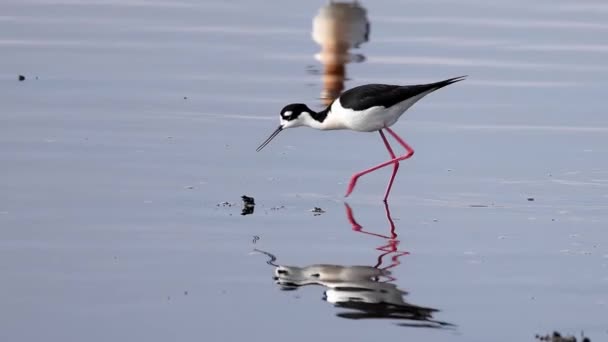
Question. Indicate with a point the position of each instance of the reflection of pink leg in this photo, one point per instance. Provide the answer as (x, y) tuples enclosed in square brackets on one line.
[(357, 227), (410, 152), (392, 245)]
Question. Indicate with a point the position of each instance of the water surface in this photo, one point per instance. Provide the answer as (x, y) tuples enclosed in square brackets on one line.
[(145, 115)]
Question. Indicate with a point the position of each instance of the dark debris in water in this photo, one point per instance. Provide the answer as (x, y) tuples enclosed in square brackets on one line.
[(557, 337), (224, 204), (248, 205), (317, 211), (248, 200), (530, 199)]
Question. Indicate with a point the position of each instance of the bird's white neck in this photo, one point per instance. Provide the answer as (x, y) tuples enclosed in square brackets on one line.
[(324, 120), (311, 120)]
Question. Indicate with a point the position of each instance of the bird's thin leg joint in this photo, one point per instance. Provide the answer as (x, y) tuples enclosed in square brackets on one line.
[(410, 150), (394, 160)]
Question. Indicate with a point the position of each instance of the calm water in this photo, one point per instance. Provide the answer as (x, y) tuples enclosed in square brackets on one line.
[(137, 119)]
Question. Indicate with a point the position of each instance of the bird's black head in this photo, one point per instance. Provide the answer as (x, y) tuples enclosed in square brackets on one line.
[(293, 115), (293, 111)]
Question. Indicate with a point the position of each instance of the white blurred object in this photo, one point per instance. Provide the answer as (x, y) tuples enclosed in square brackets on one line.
[(341, 24), (338, 27)]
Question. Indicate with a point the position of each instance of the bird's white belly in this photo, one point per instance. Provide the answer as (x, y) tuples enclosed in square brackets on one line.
[(373, 118)]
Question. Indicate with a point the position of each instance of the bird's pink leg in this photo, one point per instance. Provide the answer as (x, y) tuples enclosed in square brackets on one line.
[(410, 150), (395, 168), (355, 177)]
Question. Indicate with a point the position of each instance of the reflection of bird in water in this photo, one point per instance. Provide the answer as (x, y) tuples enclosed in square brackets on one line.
[(358, 288), (338, 27), (366, 291)]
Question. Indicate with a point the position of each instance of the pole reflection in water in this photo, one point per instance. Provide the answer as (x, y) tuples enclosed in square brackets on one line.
[(338, 27), (366, 291)]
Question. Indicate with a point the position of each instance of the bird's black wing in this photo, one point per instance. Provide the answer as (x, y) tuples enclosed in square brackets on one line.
[(386, 95)]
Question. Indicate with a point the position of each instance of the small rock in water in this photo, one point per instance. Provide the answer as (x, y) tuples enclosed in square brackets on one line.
[(21, 78), (248, 205), (530, 199), (317, 211)]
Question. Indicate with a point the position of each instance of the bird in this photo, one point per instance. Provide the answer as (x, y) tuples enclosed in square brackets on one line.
[(365, 108)]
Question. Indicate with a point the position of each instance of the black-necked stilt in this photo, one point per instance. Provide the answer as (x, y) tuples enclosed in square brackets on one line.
[(366, 108)]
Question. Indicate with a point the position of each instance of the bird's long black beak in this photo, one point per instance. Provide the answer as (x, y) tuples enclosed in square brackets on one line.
[(274, 134)]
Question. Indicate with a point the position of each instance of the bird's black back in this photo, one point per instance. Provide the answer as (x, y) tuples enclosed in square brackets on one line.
[(386, 95)]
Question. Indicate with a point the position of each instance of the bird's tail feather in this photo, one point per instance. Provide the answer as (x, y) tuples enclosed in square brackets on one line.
[(449, 81)]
